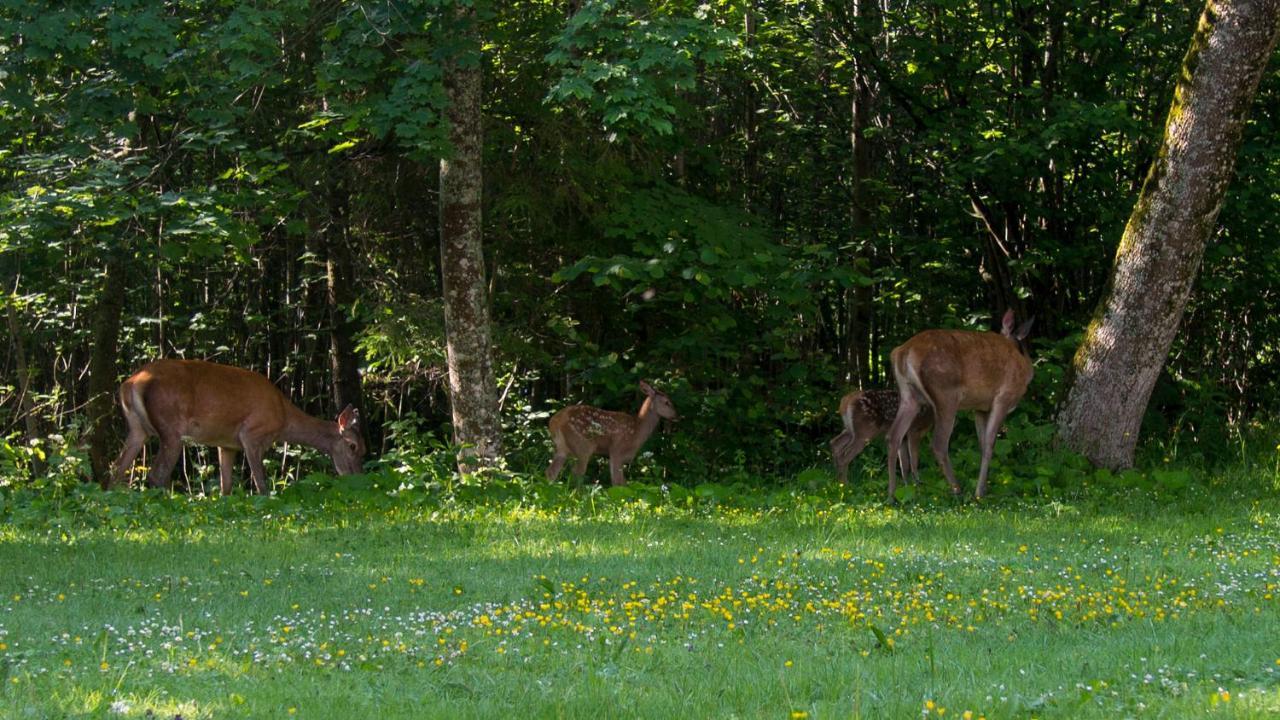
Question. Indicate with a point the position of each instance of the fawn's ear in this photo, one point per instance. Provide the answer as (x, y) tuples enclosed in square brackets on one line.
[(1023, 330), (1006, 325), (647, 389)]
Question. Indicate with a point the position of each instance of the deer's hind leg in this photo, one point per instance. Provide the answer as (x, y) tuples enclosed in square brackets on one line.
[(844, 448), (582, 452), (128, 454), (556, 466), (908, 407), (558, 459), (913, 453), (944, 421)]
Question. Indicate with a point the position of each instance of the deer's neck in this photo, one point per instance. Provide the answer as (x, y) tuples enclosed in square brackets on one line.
[(303, 429), (646, 421)]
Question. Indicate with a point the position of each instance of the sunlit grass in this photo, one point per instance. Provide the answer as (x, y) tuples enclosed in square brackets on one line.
[(825, 606)]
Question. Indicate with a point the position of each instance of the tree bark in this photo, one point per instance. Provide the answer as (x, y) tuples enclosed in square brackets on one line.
[(1128, 341), (339, 294), (858, 298), (25, 404), (472, 390), (102, 371)]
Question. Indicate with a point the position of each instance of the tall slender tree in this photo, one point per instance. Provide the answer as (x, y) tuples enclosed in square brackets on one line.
[(1160, 252), (339, 293), (25, 404), (102, 369), (472, 389)]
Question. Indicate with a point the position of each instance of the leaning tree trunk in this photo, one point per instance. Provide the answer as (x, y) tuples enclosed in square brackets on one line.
[(1159, 255), (101, 407), (472, 390)]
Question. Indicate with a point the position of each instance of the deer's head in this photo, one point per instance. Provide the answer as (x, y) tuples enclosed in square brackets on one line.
[(348, 450), (1018, 336), (659, 402)]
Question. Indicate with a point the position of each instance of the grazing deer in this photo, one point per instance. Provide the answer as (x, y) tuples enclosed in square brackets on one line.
[(867, 414), (583, 431), (948, 371), (232, 409)]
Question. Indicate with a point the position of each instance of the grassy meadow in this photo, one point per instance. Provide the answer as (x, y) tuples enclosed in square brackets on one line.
[(329, 601)]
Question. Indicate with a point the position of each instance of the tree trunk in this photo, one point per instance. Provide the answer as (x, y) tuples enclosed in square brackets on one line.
[(472, 390), (101, 406), (339, 294), (1159, 255), (858, 298), (25, 404)]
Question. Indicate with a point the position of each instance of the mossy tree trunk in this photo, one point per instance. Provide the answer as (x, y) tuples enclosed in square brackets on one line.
[(473, 393), (1159, 255)]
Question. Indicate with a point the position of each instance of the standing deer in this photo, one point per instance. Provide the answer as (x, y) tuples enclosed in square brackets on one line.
[(229, 408), (867, 414), (583, 431), (948, 371)]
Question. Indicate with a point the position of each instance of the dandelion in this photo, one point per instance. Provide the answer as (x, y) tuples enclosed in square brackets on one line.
[(787, 664), (799, 714)]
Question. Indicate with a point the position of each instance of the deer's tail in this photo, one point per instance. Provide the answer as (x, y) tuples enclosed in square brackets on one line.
[(906, 369), (133, 403)]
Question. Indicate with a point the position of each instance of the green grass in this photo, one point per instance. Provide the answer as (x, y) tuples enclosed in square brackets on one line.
[(324, 604)]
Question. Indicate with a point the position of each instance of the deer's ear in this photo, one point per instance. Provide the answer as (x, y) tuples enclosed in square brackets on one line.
[(348, 418), (1024, 330), (646, 388), (1006, 325)]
